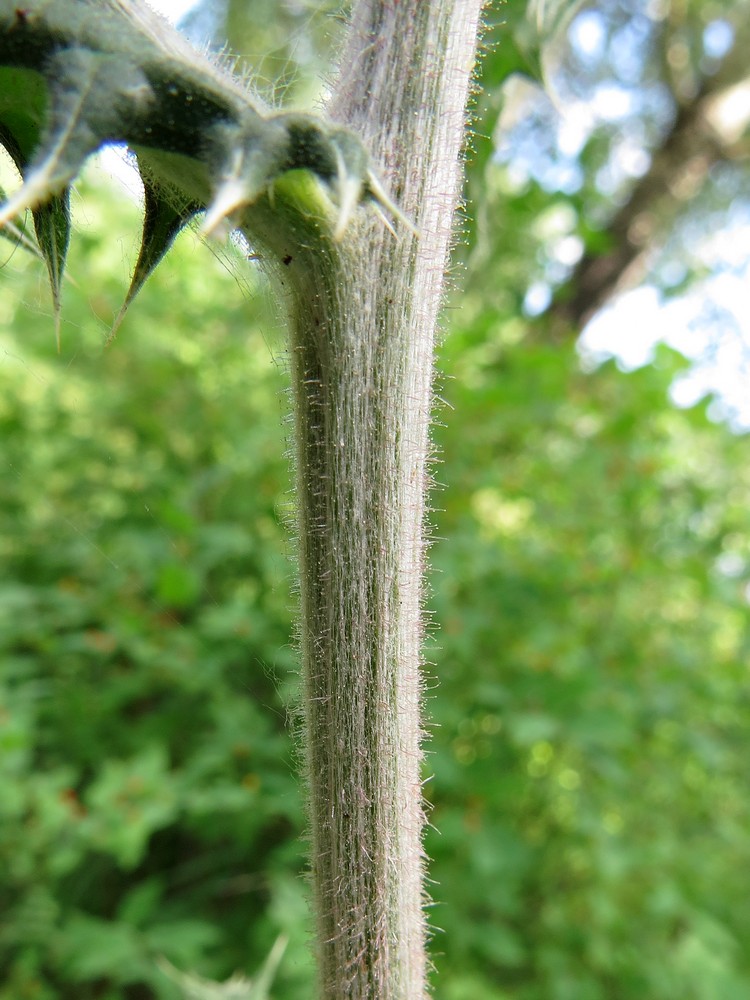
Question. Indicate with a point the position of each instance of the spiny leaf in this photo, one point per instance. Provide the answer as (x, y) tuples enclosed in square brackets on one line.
[(92, 73), (51, 222), (161, 224), (14, 231), (84, 96), (52, 225)]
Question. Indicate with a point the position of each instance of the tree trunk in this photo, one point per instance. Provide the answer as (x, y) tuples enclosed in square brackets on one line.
[(363, 318)]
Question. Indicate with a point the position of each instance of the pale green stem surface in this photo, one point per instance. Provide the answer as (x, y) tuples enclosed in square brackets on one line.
[(363, 318)]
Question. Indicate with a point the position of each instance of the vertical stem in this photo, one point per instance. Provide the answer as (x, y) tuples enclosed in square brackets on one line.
[(363, 316)]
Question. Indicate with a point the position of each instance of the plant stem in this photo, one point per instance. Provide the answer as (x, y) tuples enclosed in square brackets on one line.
[(363, 316)]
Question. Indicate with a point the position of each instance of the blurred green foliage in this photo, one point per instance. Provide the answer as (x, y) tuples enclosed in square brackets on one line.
[(593, 707), (149, 801), (589, 705)]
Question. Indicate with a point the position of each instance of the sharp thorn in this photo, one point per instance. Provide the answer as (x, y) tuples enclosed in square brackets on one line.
[(33, 192), (161, 224), (15, 232), (378, 194), (231, 195), (348, 192), (116, 322), (348, 195), (378, 211)]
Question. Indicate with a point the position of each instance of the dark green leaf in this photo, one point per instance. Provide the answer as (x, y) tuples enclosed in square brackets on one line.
[(161, 224), (52, 225)]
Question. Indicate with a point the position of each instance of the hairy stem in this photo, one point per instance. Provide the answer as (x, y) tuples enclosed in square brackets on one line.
[(363, 317)]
